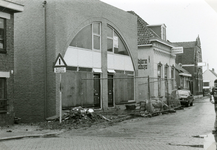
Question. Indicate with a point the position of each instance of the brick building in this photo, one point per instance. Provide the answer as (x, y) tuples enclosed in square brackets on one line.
[(7, 10), (96, 41), (191, 56)]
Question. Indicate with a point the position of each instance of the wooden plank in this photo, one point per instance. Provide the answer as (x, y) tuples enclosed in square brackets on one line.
[(89, 94)]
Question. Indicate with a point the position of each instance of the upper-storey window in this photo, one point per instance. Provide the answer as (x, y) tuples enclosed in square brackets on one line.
[(115, 43), (89, 37), (83, 39), (97, 36), (2, 35), (163, 32)]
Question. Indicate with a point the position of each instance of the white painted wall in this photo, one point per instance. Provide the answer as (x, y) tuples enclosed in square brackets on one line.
[(208, 75), (79, 57)]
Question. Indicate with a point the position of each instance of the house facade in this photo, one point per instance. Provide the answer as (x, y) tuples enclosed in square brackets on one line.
[(7, 11), (190, 59), (157, 56), (96, 41), (209, 76), (183, 78)]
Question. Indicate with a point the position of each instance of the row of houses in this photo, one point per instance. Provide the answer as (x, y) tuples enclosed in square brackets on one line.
[(112, 57)]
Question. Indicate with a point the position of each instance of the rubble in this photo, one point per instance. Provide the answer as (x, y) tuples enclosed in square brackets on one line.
[(77, 117)]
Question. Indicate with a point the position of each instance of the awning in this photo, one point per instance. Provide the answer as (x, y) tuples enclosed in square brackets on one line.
[(4, 74), (97, 70), (185, 74), (111, 71)]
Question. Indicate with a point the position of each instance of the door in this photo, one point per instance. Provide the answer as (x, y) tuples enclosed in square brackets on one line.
[(110, 91), (96, 90)]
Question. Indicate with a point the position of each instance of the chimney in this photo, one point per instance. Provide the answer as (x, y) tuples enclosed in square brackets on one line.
[(213, 69), (207, 66)]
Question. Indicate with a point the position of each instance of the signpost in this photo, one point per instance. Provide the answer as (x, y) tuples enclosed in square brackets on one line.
[(60, 67)]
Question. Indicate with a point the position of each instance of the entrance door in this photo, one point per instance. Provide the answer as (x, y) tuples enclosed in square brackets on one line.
[(96, 90), (110, 91)]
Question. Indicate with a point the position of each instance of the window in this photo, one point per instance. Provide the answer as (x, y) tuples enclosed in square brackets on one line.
[(172, 72), (89, 37), (2, 88), (205, 83), (166, 71), (2, 35), (83, 39), (115, 43), (159, 78), (159, 70), (96, 36), (3, 101)]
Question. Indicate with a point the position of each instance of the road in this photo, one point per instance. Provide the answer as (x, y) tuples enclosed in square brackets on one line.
[(174, 131)]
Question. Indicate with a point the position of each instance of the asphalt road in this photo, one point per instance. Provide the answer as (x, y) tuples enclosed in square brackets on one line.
[(174, 131)]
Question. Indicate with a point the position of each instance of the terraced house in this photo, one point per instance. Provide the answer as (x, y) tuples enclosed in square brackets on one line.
[(156, 57), (97, 41), (7, 11)]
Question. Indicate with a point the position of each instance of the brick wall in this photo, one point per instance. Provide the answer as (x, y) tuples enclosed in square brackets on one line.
[(29, 62), (7, 64)]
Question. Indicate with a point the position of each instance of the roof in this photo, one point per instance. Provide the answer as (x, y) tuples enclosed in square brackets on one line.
[(181, 70), (213, 72), (12, 6), (144, 33), (186, 44)]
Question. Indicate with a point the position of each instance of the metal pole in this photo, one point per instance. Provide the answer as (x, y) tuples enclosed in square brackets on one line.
[(60, 100), (149, 97)]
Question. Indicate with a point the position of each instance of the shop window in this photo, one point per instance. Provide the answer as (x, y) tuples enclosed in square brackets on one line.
[(2, 35), (115, 43)]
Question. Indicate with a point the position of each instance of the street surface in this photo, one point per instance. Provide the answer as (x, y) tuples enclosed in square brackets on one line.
[(174, 131)]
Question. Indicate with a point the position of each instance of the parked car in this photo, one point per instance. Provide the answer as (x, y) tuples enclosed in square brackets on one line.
[(185, 97)]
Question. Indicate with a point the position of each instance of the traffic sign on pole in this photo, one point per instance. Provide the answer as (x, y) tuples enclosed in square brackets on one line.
[(60, 67)]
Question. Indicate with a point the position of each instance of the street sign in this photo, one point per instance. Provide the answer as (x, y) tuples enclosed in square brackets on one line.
[(60, 65), (60, 62), (59, 69), (200, 64), (177, 50)]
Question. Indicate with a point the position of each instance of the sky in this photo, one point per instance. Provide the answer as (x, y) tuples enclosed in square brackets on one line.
[(185, 21)]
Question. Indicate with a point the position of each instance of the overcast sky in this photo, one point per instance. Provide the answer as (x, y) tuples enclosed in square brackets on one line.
[(185, 20)]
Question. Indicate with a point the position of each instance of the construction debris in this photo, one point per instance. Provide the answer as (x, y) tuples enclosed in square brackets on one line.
[(75, 118)]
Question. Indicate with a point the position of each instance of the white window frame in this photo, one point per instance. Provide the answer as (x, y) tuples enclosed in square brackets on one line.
[(98, 35)]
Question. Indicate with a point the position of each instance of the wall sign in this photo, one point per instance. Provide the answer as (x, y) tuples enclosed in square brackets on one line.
[(142, 63)]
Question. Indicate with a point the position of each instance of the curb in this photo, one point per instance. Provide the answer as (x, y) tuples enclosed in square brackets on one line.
[(31, 136)]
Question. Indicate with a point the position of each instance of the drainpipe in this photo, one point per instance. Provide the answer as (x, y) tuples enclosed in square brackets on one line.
[(45, 59)]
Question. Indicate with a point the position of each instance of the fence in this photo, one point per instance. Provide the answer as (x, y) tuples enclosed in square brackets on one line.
[(90, 90)]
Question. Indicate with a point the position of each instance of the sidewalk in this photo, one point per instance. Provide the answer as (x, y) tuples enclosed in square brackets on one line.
[(23, 131)]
